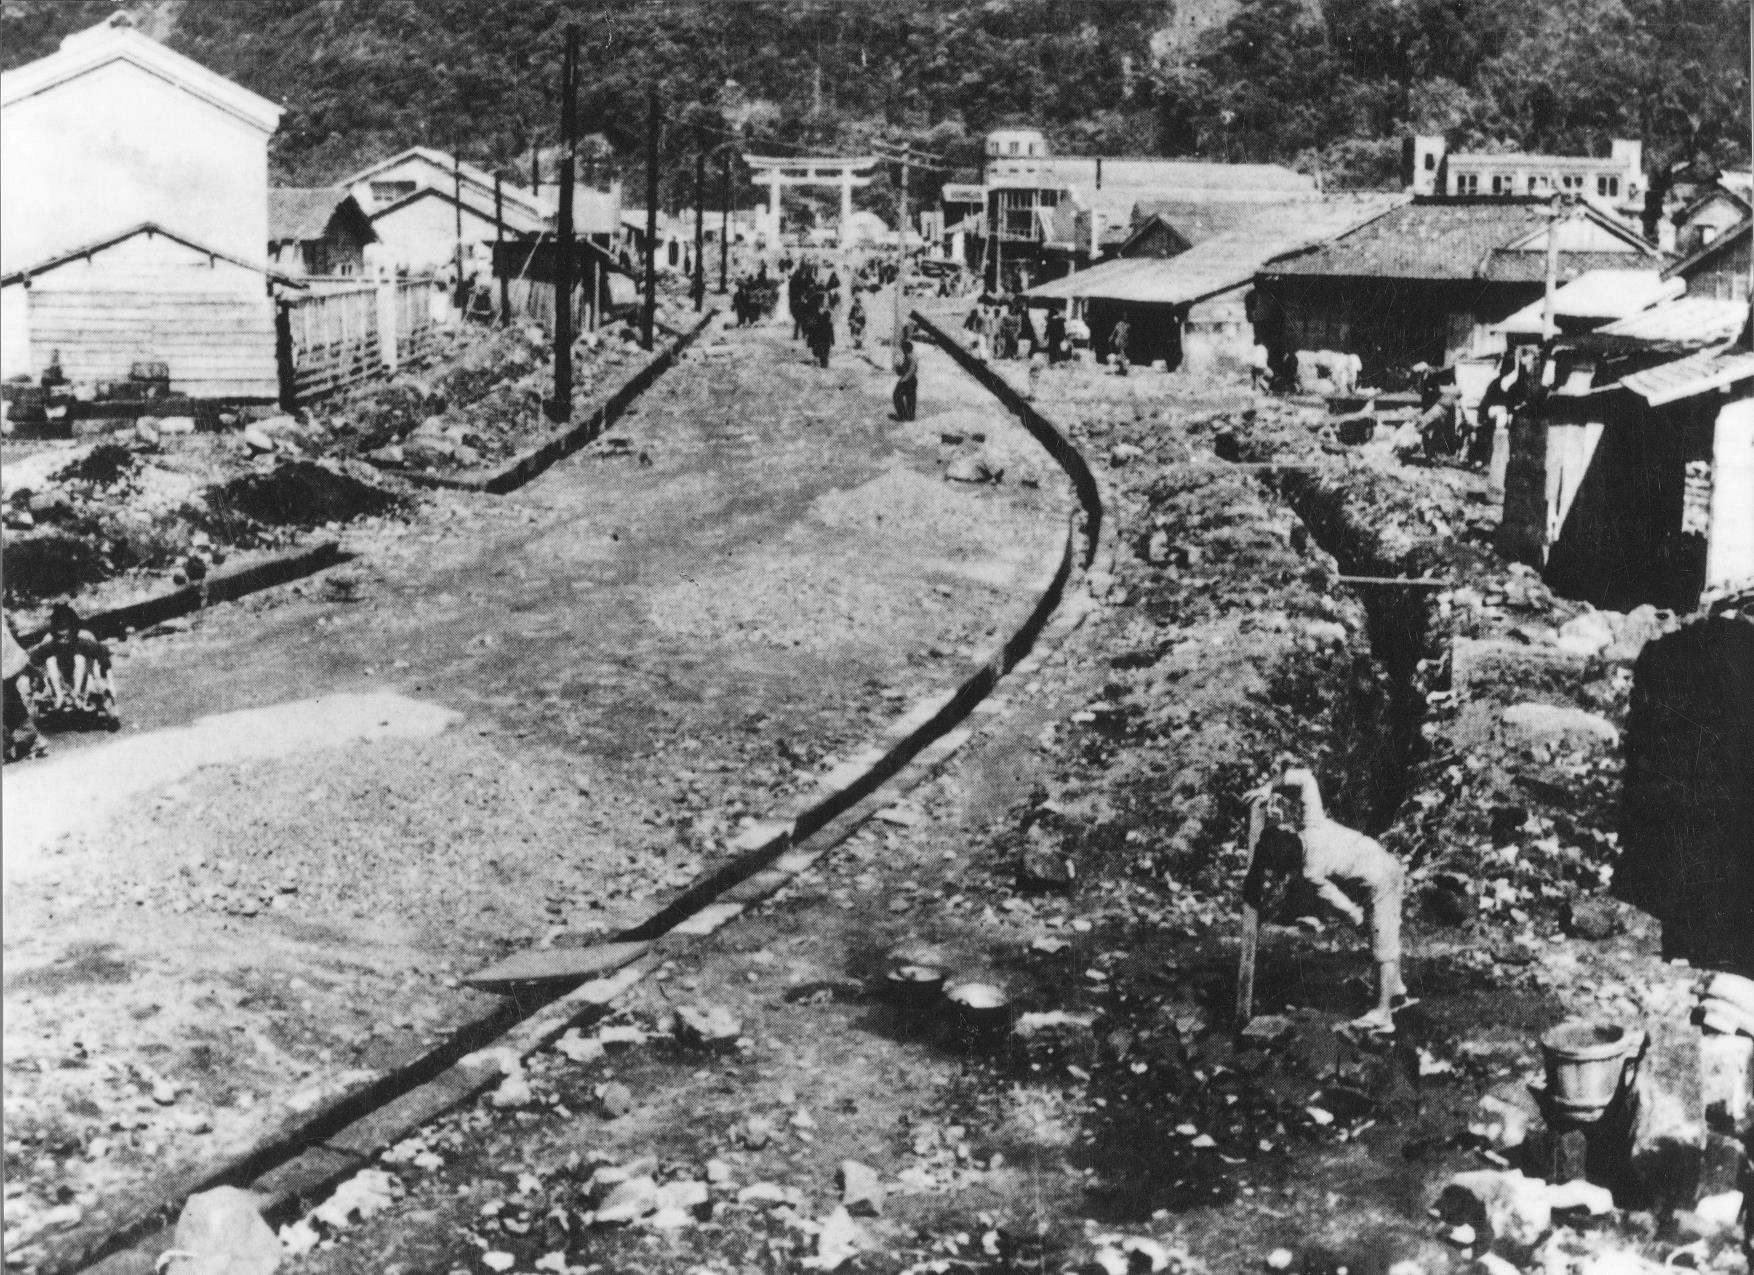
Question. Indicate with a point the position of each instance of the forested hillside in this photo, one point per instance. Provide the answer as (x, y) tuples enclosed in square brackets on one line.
[(1329, 86)]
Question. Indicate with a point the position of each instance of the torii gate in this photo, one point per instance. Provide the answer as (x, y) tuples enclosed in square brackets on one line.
[(775, 173)]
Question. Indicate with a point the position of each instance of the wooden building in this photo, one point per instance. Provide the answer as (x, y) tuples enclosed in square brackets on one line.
[(146, 296), (419, 232), (318, 232), (1706, 216), (601, 284), (1632, 482), (1429, 281), (1720, 269), (392, 180)]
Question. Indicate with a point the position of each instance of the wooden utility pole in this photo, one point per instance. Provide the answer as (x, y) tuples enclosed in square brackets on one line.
[(699, 229), (725, 224), (499, 263), (457, 197), (901, 241), (561, 408), (536, 164), (1548, 328), (649, 315)]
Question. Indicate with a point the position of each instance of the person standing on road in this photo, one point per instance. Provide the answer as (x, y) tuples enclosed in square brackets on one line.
[(907, 381), (1056, 336), (856, 322), (1118, 338), (819, 329)]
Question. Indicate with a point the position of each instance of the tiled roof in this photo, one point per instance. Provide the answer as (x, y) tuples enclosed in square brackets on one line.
[(1223, 261), (301, 213), (1696, 374), (1518, 265), (1440, 238)]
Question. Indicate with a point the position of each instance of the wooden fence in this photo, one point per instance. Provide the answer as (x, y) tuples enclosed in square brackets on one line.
[(350, 331)]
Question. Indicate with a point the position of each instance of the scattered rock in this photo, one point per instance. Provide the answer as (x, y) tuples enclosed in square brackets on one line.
[(718, 1172), (756, 1132), (837, 1243), (974, 469), (1505, 1208), (1548, 720), (712, 1027), (685, 1195), (257, 441), (1448, 901), (223, 1230), (1280, 1259), (1265, 1031), (1595, 918), (861, 1189), (171, 426), (1042, 868), (627, 1202), (50, 504), (1588, 634), (514, 1091), (763, 1195), (1505, 1115), (1124, 454), (615, 1101)]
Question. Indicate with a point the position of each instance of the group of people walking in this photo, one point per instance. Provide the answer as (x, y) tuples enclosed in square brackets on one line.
[(1006, 330)]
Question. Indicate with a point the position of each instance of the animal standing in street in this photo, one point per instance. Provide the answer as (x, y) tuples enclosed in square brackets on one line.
[(1331, 856)]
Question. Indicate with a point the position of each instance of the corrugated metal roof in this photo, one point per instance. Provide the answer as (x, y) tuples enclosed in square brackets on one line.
[(1601, 296), (1696, 374), (1441, 238), (1223, 261), (1686, 322)]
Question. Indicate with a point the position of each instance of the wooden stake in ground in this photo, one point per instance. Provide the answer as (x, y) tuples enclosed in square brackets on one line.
[(1251, 923), (649, 314)]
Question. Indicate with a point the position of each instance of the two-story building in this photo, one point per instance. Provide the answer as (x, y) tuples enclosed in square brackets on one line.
[(134, 218), (1615, 180)]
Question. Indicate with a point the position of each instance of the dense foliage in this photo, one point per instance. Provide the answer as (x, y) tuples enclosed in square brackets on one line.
[(1330, 86)]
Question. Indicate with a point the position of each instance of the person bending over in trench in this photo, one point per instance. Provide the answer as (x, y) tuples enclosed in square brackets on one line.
[(1342, 865), (75, 664), (21, 728)]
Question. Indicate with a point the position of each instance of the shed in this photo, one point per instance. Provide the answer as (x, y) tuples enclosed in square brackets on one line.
[(320, 231), (1427, 281), (114, 130), (1633, 481), (147, 295)]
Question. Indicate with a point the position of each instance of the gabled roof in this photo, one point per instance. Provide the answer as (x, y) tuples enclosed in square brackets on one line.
[(1156, 221), (1709, 197), (1694, 375), (1471, 237), (1687, 267), (1224, 261), (302, 214), (469, 206), (446, 165), (144, 228), (115, 40)]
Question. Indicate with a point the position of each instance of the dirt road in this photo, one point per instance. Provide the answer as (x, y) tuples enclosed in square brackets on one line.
[(537, 715)]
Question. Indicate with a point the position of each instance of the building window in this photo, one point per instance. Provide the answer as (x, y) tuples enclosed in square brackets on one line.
[(1570, 183), (1430, 162), (1539, 184), (1468, 184), (1503, 184), (1013, 148), (1608, 186), (390, 192)]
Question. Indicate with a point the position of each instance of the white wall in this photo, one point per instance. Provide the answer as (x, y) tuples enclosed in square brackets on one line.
[(14, 332), (119, 146), (423, 235), (1729, 561)]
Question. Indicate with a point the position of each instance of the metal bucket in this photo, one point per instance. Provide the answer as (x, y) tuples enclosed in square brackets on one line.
[(1586, 1067)]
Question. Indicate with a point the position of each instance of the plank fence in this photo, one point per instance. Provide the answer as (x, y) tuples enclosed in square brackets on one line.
[(347, 331)]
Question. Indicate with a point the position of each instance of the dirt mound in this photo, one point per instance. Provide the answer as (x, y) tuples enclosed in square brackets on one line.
[(300, 494), (103, 465), (50, 565)]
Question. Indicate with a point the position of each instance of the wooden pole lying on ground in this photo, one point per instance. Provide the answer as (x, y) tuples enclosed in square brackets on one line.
[(699, 230), (561, 408), (725, 225), (1251, 924), (649, 316)]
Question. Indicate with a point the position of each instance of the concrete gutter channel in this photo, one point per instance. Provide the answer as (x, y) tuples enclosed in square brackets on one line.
[(293, 1168), (228, 586)]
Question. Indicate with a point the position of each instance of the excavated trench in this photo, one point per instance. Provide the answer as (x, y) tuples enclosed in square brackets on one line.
[(1408, 649)]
